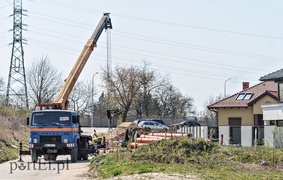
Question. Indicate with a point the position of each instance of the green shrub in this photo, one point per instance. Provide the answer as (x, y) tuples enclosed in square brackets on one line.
[(193, 156), (174, 150)]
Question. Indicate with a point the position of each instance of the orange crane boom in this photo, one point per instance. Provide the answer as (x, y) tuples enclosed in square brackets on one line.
[(60, 102)]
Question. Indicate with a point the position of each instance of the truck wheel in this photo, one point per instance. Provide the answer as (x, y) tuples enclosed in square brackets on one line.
[(85, 156), (74, 155), (53, 157), (46, 157), (34, 156), (79, 156)]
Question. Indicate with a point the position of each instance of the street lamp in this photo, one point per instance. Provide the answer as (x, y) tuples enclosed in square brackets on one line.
[(92, 108), (225, 86)]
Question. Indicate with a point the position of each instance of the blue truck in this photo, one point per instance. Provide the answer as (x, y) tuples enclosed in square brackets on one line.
[(55, 130)]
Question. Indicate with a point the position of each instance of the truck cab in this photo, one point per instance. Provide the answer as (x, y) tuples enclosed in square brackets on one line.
[(54, 132)]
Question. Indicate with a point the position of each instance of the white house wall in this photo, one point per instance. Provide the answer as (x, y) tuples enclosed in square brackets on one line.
[(268, 135), (273, 136), (225, 131), (278, 137), (246, 136)]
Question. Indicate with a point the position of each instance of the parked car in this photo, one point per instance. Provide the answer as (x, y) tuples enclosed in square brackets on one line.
[(153, 125), (158, 120), (189, 123), (137, 121)]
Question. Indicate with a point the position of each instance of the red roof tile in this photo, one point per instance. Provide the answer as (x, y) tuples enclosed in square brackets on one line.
[(265, 88)]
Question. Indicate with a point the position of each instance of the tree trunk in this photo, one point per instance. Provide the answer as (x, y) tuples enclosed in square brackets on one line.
[(124, 116)]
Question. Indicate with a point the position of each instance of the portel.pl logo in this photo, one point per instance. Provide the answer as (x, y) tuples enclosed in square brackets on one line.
[(40, 166)]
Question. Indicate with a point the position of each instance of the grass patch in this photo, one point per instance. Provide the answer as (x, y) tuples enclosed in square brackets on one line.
[(193, 156), (9, 111), (13, 130), (7, 153)]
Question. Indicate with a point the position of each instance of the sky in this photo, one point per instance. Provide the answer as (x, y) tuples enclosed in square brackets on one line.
[(200, 44)]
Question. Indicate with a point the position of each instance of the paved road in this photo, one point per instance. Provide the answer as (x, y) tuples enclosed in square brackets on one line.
[(62, 169), (89, 130)]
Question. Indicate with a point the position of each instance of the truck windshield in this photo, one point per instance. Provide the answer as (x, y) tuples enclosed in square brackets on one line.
[(51, 119)]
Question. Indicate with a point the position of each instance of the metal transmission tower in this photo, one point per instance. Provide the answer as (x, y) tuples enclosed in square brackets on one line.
[(17, 88)]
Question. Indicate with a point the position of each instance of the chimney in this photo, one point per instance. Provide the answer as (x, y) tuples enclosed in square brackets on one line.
[(246, 85)]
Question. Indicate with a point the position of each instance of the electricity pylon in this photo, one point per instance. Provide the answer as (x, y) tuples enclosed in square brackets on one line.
[(17, 89)]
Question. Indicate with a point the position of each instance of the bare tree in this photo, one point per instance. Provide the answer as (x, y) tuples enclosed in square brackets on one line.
[(171, 103), (79, 96), (210, 114), (43, 81), (145, 101), (125, 85)]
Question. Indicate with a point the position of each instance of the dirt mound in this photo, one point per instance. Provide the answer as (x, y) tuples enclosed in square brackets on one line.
[(121, 133)]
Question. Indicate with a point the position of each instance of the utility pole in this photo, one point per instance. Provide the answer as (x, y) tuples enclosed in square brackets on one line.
[(225, 86), (17, 89), (92, 105), (109, 58)]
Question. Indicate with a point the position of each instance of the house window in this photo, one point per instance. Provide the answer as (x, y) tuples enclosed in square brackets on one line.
[(244, 96)]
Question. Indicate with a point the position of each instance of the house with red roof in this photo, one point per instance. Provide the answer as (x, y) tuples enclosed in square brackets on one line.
[(244, 109)]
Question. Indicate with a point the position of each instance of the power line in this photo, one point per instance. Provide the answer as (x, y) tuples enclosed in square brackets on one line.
[(6, 5), (216, 65), (165, 69), (168, 23), (192, 59), (198, 60), (169, 67), (4, 18), (148, 37), (204, 48), (204, 28), (179, 44), (68, 6)]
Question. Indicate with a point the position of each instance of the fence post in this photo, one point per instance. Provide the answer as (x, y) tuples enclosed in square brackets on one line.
[(255, 138), (20, 152), (104, 144)]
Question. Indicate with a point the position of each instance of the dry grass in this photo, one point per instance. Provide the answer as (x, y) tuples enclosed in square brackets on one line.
[(13, 130)]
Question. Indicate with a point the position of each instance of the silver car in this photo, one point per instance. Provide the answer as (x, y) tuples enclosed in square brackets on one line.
[(153, 125)]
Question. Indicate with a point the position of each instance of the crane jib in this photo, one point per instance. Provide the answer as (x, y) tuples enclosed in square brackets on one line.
[(60, 101), (105, 23)]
